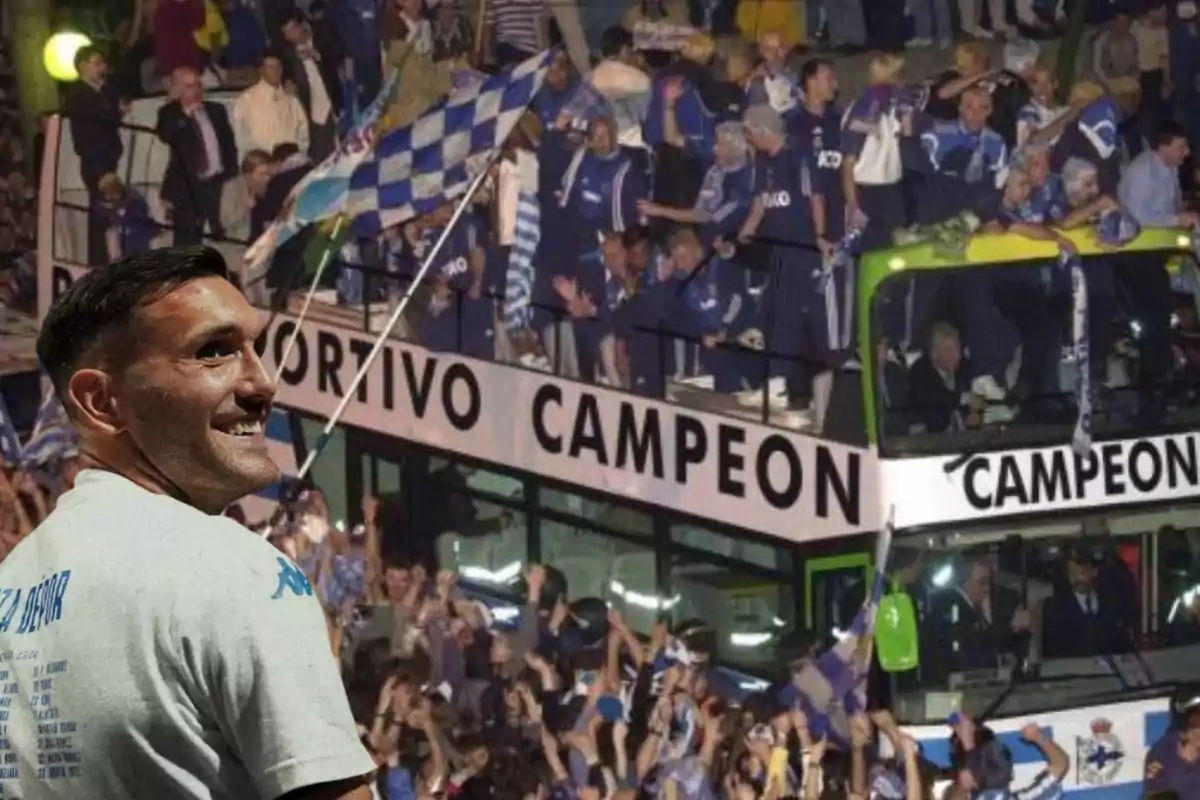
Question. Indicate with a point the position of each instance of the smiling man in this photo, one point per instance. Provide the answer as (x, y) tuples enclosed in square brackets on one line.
[(150, 647)]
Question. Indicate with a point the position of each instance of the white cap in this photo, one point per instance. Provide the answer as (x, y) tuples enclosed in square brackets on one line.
[(1186, 9)]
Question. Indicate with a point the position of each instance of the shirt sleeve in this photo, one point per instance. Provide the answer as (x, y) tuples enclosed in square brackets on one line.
[(259, 649), (1044, 787), (1145, 199), (1155, 776)]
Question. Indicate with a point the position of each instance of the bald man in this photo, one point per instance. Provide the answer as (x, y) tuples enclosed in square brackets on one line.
[(203, 157)]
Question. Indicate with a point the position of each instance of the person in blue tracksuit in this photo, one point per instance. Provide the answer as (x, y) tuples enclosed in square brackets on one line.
[(789, 214), (1001, 307), (358, 32), (726, 193), (596, 298), (816, 129), (1184, 68), (459, 317), (646, 323), (720, 308), (558, 87), (965, 158), (601, 188), (1047, 202)]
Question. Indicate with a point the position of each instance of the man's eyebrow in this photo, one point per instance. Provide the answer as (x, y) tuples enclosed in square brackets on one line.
[(225, 331)]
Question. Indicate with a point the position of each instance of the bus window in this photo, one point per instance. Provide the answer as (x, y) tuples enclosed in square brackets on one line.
[(836, 588), (1065, 619), (967, 347)]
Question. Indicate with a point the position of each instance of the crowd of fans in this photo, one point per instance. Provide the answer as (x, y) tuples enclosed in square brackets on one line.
[(561, 699), (18, 200), (693, 196)]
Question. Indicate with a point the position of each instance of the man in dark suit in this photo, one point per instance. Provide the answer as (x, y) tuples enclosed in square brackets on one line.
[(203, 157), (94, 111), (1077, 620), (939, 385), (311, 63), (972, 625)]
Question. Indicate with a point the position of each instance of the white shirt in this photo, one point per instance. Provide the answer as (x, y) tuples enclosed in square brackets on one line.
[(148, 650), (212, 148), (420, 36), (266, 116), (320, 105)]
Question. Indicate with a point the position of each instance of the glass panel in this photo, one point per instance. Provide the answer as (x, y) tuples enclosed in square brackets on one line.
[(491, 550), (838, 593), (614, 516), (966, 353), (751, 551), (1059, 603), (750, 610), (613, 569), (455, 473)]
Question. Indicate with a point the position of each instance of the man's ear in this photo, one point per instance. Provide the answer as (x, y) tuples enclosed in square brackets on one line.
[(93, 403)]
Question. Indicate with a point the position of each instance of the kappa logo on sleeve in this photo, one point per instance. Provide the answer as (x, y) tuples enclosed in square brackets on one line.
[(291, 579)]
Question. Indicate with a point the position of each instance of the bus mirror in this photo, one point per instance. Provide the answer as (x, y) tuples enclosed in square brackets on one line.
[(896, 633)]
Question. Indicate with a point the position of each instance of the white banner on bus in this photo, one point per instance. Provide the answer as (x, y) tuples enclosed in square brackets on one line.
[(1041, 480), (742, 473)]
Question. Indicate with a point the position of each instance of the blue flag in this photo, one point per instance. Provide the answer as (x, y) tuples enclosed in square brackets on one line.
[(832, 688), (415, 169)]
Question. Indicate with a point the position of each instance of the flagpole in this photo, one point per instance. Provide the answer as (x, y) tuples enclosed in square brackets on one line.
[(326, 257), (380, 342)]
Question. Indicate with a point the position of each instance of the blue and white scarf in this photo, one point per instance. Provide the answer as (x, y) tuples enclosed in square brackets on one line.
[(518, 310), (1081, 440)]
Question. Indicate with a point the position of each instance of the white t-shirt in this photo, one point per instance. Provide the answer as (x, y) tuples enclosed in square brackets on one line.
[(148, 650)]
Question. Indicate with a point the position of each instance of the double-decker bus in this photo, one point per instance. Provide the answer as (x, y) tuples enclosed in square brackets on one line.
[(694, 507), (1101, 547)]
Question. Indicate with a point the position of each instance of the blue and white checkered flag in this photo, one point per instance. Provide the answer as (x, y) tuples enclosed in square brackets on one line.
[(10, 441), (53, 438), (321, 194), (415, 169), (832, 688)]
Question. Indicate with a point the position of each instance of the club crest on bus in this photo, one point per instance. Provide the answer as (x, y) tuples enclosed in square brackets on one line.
[(1101, 755)]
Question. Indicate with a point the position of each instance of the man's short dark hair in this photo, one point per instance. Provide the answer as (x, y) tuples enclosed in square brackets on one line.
[(86, 54), (295, 15), (614, 40), (812, 67), (107, 299), (1167, 131), (284, 150)]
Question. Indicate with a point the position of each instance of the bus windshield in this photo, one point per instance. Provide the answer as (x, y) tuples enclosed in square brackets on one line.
[(1053, 613), (983, 355)]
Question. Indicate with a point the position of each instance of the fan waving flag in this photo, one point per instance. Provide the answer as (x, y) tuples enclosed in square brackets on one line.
[(321, 194), (832, 688), (415, 169)]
